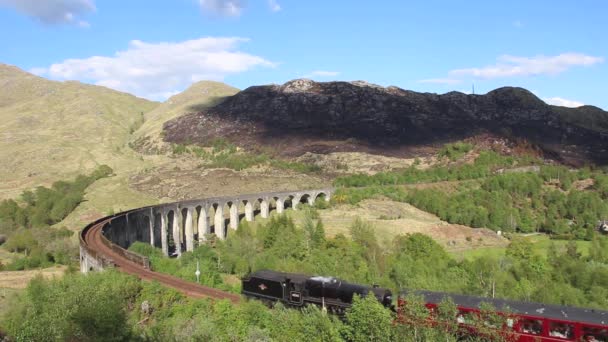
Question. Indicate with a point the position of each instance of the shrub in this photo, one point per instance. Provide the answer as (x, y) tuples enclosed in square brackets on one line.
[(296, 166), (455, 150), (73, 308)]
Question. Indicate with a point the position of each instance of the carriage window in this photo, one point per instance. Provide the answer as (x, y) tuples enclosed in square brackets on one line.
[(561, 330), (595, 334), (531, 326)]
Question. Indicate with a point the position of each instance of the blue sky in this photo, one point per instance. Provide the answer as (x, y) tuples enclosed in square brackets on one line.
[(557, 49)]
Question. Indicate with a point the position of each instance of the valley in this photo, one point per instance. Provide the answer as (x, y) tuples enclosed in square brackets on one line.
[(445, 193)]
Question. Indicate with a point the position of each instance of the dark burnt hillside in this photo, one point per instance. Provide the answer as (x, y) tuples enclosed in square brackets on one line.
[(305, 115)]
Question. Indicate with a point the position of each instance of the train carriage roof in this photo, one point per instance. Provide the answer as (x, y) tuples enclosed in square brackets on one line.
[(279, 276), (559, 312)]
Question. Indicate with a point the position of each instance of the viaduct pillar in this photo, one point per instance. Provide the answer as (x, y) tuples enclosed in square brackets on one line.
[(203, 224), (219, 222), (177, 233), (163, 234), (234, 215), (280, 205), (264, 209), (249, 211), (189, 232)]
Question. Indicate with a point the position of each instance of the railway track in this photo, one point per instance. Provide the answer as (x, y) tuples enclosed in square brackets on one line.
[(93, 239)]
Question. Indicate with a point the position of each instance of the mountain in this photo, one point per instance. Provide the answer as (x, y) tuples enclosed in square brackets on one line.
[(197, 97), (52, 130), (303, 115)]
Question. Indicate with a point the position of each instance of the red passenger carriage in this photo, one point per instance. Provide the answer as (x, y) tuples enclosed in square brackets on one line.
[(522, 321)]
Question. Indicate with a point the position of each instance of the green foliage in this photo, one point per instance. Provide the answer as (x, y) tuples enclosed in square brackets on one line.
[(295, 166), (601, 185), (225, 154), (516, 202), (40, 247), (47, 206), (73, 308), (139, 121), (485, 164), (356, 195), (179, 149), (368, 320), (185, 266), (21, 241), (237, 161), (412, 261), (455, 150), (599, 249)]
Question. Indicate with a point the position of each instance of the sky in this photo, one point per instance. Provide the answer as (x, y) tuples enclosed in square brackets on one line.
[(156, 48)]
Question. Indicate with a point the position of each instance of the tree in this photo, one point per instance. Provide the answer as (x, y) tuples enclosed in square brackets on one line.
[(520, 249), (28, 197), (315, 232), (598, 251), (74, 308), (446, 315), (367, 320)]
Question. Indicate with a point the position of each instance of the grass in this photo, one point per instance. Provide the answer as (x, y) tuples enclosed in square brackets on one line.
[(103, 196), (20, 279), (541, 247), (51, 130), (404, 219), (196, 98)]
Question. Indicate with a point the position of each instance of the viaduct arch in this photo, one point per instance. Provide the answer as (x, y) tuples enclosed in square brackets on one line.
[(180, 226)]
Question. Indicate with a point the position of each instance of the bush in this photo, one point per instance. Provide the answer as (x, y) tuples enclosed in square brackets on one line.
[(296, 166), (21, 241), (237, 161), (455, 150), (47, 206), (73, 308)]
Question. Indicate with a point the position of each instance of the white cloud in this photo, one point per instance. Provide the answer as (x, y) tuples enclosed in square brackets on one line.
[(53, 12), (155, 70), (558, 101), (509, 66), (448, 81), (518, 24), (322, 73), (224, 8), (274, 5)]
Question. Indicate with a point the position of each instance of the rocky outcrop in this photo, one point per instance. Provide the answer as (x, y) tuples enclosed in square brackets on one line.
[(392, 118)]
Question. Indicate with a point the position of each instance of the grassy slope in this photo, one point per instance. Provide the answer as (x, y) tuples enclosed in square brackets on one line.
[(55, 130), (115, 193), (198, 96), (541, 245)]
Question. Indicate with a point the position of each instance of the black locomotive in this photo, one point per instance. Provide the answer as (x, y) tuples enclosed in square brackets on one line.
[(294, 289)]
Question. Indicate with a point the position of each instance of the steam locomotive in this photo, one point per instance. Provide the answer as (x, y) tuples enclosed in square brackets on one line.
[(524, 321), (296, 290)]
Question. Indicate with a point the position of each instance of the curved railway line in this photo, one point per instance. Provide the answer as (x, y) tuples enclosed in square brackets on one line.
[(92, 237), (178, 227)]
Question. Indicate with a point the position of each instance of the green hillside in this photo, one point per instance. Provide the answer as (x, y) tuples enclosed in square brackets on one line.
[(54, 130)]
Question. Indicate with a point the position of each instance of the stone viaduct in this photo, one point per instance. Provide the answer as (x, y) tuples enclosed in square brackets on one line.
[(180, 226)]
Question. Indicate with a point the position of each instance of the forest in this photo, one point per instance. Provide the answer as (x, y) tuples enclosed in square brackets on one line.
[(564, 203), (114, 307), (413, 261), (25, 224), (111, 306)]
